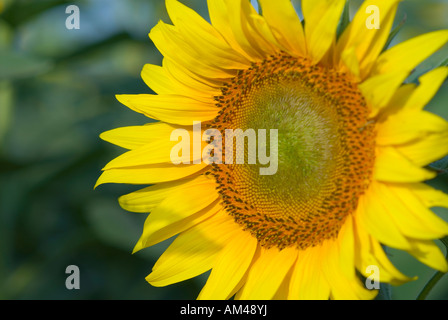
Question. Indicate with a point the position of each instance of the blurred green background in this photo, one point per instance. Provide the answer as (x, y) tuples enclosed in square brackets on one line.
[(57, 89)]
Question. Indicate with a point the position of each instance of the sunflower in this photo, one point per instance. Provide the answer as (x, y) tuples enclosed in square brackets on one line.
[(354, 145)]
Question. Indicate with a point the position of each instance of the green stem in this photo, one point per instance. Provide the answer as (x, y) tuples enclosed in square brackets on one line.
[(436, 277)]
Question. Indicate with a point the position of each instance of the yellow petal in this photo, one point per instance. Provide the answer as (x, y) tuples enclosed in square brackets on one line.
[(161, 81), (174, 109), (406, 126), (388, 272), (149, 239), (411, 216), (267, 273), (286, 25), (155, 152), (346, 245), (230, 267), (416, 195), (368, 43), (219, 17), (242, 30), (146, 199), (379, 90), (194, 251), (397, 102), (149, 174), (351, 61), (407, 55), (163, 224), (429, 196), (429, 253), (169, 216), (172, 45), (266, 36), (159, 151), (307, 280), (369, 252), (391, 166), (430, 83), (426, 150), (321, 20), (192, 21), (134, 137), (155, 77), (283, 291), (372, 217), (203, 85), (210, 45), (344, 285)]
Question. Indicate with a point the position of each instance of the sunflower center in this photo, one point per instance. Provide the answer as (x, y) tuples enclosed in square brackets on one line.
[(324, 151)]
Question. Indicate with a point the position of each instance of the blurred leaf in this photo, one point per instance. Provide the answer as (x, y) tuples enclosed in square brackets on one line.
[(21, 11), (441, 166), (385, 292), (394, 32), (345, 20), (444, 63), (4, 4), (6, 35), (14, 65), (113, 225), (87, 50), (6, 100)]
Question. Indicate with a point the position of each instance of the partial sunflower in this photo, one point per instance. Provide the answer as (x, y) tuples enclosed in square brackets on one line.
[(353, 143)]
